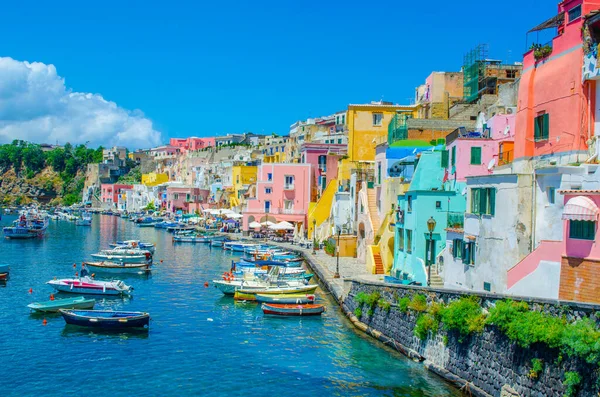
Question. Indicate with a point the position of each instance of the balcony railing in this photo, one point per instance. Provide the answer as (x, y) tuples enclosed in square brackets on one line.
[(505, 157), (456, 220), (397, 129), (286, 211), (288, 186)]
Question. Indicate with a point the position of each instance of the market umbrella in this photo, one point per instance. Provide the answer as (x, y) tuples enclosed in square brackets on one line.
[(254, 225), (235, 216), (267, 223), (283, 225)]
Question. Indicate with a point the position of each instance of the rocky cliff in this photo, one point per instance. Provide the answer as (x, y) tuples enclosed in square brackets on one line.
[(45, 187)]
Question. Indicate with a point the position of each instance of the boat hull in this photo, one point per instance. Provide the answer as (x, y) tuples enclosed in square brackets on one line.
[(292, 310), (106, 267), (55, 305), (89, 288), (121, 258), (106, 319), (285, 298)]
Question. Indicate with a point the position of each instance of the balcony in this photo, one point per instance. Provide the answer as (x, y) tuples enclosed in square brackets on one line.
[(288, 186), (397, 129), (286, 211), (505, 157), (456, 220)]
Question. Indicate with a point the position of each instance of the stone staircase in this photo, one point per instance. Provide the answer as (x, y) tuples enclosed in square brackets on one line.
[(372, 199), (378, 264), (436, 279)]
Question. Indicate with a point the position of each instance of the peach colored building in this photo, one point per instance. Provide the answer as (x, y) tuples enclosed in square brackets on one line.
[(109, 193), (282, 194), (555, 114), (185, 198), (322, 171)]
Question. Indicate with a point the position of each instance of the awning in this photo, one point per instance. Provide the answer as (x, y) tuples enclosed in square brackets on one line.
[(580, 208), (553, 22)]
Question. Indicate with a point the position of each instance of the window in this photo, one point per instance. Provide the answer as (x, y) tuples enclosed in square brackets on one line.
[(483, 201), (288, 204), (188, 197), (453, 161), (487, 286), (408, 241), (269, 177), (401, 239), (337, 119), (511, 74), (343, 119), (377, 119), (475, 155), (541, 127), (445, 158), (574, 13), (551, 195), (582, 230), (468, 253), (379, 172), (267, 207), (457, 248), (340, 140), (289, 181), (268, 190), (176, 196), (438, 205), (408, 203)]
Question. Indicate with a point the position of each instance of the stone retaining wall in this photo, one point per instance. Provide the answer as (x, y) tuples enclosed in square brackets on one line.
[(486, 364)]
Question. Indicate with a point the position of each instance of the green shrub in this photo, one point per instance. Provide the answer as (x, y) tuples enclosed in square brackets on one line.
[(582, 339), (464, 316), (418, 303), (403, 304), (384, 305), (425, 323), (358, 312), (571, 383), (536, 367), (435, 309), (368, 299), (370, 312)]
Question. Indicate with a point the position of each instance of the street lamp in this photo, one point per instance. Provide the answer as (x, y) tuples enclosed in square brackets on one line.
[(431, 228), (314, 236), (337, 264)]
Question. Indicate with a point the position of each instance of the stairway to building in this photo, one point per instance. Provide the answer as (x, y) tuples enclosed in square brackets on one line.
[(372, 199), (378, 264), (436, 279)]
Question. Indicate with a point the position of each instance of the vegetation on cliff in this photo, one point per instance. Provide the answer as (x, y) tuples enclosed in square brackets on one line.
[(56, 175)]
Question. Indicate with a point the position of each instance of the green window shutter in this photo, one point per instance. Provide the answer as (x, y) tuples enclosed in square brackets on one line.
[(492, 201), (483, 201), (444, 159), (475, 155), (454, 249), (537, 131), (465, 254), (475, 201), (453, 161), (545, 126)]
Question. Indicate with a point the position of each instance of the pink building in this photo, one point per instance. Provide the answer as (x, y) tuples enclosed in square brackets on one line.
[(109, 193), (192, 144), (323, 170), (282, 194), (478, 153), (185, 198), (164, 151), (555, 114)]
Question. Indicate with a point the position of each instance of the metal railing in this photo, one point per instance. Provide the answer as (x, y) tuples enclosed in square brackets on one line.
[(505, 157), (456, 220)]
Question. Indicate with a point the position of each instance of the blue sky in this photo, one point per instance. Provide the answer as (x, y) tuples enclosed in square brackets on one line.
[(207, 69)]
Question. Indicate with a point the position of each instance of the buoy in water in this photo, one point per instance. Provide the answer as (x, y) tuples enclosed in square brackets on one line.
[(44, 322), (161, 261), (51, 297), (206, 284), (30, 290)]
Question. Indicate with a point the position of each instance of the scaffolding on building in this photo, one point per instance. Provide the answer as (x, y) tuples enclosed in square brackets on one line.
[(474, 63)]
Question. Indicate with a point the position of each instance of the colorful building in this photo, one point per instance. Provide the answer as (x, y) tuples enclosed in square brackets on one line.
[(154, 179), (368, 125), (192, 144), (242, 177), (317, 155), (111, 194), (187, 199), (415, 249), (556, 105), (282, 194)]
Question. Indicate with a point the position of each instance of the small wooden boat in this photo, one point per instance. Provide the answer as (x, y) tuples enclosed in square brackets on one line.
[(285, 298), (53, 306), (120, 267), (192, 239), (106, 319), (86, 285), (3, 276), (4, 268), (278, 290), (244, 296), (292, 310)]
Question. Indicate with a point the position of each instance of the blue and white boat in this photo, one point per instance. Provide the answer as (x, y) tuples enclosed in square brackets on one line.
[(237, 246), (167, 224), (107, 319), (84, 220), (26, 228)]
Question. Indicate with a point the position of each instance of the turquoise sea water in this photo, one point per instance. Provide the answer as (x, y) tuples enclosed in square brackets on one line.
[(199, 342)]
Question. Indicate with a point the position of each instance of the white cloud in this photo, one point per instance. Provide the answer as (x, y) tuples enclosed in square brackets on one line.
[(36, 106)]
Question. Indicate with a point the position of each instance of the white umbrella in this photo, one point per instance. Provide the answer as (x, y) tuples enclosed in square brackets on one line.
[(283, 225), (267, 223), (235, 216), (207, 210), (254, 225)]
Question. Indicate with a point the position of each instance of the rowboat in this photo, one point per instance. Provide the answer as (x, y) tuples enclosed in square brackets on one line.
[(244, 296), (53, 306), (237, 247), (107, 319), (275, 290), (86, 285), (3, 276), (124, 255), (121, 267), (191, 239), (285, 298), (133, 244), (4, 268), (292, 310)]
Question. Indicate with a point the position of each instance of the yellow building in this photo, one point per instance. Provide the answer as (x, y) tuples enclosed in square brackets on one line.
[(154, 179), (368, 124), (241, 177), (278, 157)]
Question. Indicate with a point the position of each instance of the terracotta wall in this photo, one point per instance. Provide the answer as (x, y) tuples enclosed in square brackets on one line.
[(579, 281)]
